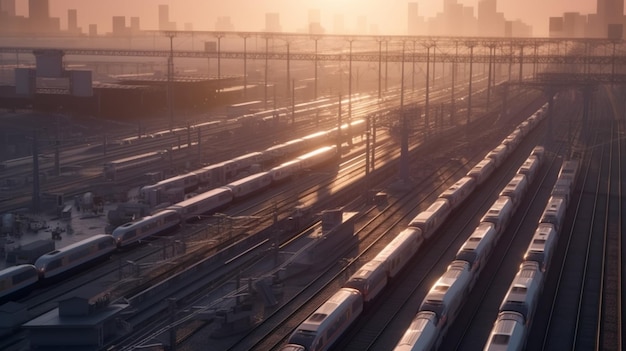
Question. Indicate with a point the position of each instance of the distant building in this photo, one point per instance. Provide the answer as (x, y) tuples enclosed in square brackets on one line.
[(135, 26), (490, 22), (339, 26), (7, 7), (188, 26), (119, 26), (415, 24), (38, 11), (224, 24), (361, 25), (164, 18), (93, 30), (518, 29), (39, 17), (272, 22), (72, 21)]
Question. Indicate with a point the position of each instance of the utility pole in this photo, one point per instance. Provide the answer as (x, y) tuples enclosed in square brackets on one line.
[(170, 72)]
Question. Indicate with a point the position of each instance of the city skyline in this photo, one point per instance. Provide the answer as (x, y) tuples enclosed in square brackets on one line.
[(389, 18)]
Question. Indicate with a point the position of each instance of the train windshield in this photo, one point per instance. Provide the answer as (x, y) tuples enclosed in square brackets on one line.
[(304, 338), (501, 339)]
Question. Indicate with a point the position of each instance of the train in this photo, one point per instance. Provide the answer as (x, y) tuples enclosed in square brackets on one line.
[(516, 311), (440, 307), (58, 263), (447, 296), (270, 117), (220, 173)]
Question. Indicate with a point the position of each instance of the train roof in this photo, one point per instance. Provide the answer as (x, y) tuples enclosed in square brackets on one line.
[(16, 269), (339, 299), (146, 218), (77, 245), (200, 197), (247, 179)]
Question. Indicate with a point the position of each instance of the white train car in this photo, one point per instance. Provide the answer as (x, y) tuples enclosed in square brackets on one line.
[(16, 280), (498, 154), (322, 328), (542, 245), (499, 214), (188, 181), (245, 161), (569, 170), (370, 279), (431, 219), (249, 185), (285, 149), (285, 170), (477, 248), (482, 170), (524, 291), (61, 261), (422, 333), (554, 213), (529, 168), (316, 140), (134, 232), (400, 250), (515, 189), (459, 191), (317, 157), (508, 333), (215, 174), (446, 296), (204, 203), (539, 152), (562, 189), (112, 168)]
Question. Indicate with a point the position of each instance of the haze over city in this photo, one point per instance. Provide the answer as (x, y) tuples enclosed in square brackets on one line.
[(248, 15)]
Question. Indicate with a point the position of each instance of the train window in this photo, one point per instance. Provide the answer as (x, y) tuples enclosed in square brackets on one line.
[(519, 289), (18, 278), (500, 339), (54, 264), (539, 241), (103, 245), (318, 317), (4, 284)]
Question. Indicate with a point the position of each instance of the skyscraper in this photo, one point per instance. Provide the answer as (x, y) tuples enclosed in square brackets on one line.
[(72, 21), (272, 22), (412, 18), (38, 10), (609, 12), (164, 18), (8, 7)]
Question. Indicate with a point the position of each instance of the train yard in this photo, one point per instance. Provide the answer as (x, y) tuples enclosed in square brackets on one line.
[(177, 286)]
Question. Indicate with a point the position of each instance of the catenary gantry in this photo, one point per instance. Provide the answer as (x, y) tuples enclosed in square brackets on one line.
[(447, 49)]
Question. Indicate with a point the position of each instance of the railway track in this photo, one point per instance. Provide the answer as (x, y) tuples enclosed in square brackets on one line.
[(585, 294)]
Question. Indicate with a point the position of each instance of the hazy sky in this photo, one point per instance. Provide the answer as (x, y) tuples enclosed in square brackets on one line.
[(390, 15)]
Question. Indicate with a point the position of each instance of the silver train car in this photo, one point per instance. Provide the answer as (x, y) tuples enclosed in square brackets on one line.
[(508, 333), (554, 213), (515, 189), (134, 232), (84, 252), (459, 191), (524, 291), (541, 246), (17, 280), (500, 213), (432, 218), (482, 170), (400, 250), (422, 334), (477, 248), (322, 328)]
